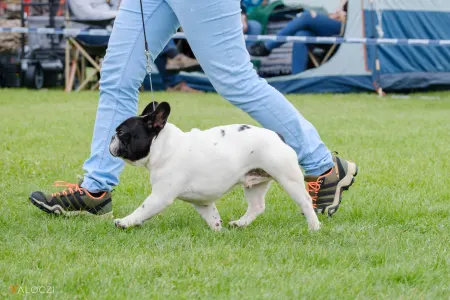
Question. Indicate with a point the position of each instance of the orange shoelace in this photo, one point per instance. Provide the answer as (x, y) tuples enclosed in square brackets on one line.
[(71, 188), (313, 186)]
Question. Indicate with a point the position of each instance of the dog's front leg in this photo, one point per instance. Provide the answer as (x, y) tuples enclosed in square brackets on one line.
[(210, 214), (154, 204)]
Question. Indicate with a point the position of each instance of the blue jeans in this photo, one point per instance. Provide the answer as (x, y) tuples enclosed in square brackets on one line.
[(305, 25), (214, 32), (253, 28)]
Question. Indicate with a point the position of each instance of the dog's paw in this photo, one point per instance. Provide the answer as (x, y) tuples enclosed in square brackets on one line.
[(315, 226), (238, 223), (121, 223)]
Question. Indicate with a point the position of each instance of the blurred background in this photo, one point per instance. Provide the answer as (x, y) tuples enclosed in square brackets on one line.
[(73, 61)]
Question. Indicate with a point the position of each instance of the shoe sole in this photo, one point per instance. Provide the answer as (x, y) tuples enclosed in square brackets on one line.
[(58, 210), (343, 185)]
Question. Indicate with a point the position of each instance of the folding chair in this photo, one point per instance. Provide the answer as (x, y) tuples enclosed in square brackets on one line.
[(320, 54), (80, 54)]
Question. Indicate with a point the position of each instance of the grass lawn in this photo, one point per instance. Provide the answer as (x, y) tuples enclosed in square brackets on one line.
[(389, 240)]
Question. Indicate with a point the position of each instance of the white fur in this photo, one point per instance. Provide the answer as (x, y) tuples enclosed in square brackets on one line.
[(201, 166)]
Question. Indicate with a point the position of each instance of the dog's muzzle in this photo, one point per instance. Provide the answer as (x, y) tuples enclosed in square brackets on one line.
[(114, 146)]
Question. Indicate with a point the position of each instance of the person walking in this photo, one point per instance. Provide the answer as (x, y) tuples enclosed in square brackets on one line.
[(214, 32)]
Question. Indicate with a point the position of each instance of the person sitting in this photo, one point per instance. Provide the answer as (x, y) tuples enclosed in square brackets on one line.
[(98, 14), (310, 24), (92, 10), (172, 81), (178, 61), (250, 27)]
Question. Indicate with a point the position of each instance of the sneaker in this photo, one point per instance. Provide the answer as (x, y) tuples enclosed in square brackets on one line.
[(74, 200), (326, 190), (259, 49)]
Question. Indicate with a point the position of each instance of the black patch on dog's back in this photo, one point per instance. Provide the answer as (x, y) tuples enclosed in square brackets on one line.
[(243, 127), (222, 132)]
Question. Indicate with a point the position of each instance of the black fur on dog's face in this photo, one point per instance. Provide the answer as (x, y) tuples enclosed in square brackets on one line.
[(135, 135)]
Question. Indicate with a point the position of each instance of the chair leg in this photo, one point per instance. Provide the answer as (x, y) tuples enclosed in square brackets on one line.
[(67, 65), (73, 69), (95, 86), (86, 81), (83, 68), (79, 72), (85, 54), (331, 51), (313, 59), (84, 78)]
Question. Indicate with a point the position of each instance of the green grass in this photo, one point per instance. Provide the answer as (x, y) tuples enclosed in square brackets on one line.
[(389, 240)]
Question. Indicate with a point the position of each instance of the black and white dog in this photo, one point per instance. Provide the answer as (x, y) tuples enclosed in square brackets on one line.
[(199, 167)]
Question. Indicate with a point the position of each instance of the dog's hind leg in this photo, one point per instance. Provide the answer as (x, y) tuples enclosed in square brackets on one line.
[(284, 169), (293, 184), (210, 214), (255, 196)]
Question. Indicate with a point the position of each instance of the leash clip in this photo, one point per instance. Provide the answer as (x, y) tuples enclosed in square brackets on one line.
[(148, 66)]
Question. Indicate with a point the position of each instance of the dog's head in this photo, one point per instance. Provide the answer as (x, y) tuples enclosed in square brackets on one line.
[(134, 136)]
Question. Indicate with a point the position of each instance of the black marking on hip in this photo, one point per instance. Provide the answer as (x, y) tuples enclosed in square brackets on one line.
[(243, 127), (222, 132)]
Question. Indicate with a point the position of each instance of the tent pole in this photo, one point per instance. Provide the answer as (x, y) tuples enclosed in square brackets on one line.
[(377, 81)]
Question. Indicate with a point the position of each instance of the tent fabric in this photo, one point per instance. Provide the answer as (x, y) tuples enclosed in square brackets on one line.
[(406, 67), (337, 84), (413, 25)]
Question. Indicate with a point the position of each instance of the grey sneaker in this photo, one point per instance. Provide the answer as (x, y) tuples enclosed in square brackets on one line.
[(74, 200), (326, 190)]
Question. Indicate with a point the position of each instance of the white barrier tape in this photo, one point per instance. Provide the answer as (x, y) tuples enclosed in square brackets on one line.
[(302, 39)]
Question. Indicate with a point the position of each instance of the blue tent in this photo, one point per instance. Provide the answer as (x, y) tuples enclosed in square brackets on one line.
[(352, 67)]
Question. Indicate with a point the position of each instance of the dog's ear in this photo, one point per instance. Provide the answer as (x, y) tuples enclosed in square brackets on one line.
[(149, 108), (158, 118)]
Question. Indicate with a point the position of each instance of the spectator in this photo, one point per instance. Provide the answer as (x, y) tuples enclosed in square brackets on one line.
[(250, 27), (171, 81), (92, 10), (308, 23), (177, 61)]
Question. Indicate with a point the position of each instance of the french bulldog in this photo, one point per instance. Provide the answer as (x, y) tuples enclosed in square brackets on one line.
[(199, 167)]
